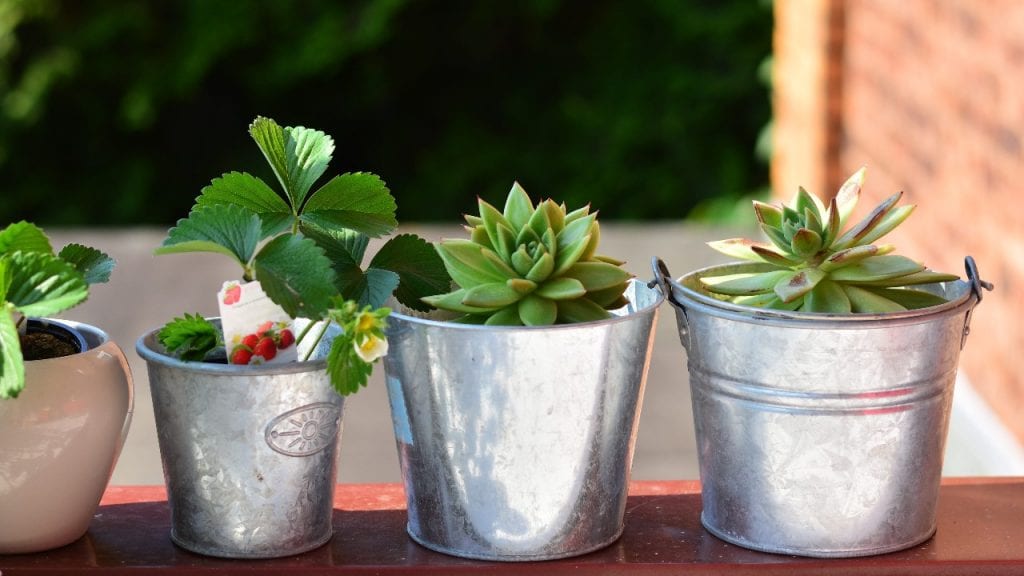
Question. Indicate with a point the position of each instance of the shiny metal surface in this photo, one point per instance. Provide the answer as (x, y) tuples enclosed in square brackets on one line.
[(515, 442), (820, 435), (249, 452)]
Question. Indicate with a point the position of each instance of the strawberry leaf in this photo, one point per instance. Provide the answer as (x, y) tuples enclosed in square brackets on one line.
[(224, 228), (420, 270), (12, 364), (190, 337), (253, 194), (296, 275), (94, 266), (298, 156), (358, 201), (375, 287), (24, 236), (41, 284), (347, 371)]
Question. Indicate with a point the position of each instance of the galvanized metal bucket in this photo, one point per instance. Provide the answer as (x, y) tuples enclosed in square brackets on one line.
[(516, 442), (820, 435), (249, 452)]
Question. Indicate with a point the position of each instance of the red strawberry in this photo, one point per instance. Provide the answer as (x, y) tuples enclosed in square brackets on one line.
[(265, 348), (285, 339), (233, 294), (262, 329), (250, 341), (241, 355)]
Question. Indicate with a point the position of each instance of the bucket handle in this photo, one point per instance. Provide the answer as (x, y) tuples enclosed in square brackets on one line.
[(978, 287), (662, 279)]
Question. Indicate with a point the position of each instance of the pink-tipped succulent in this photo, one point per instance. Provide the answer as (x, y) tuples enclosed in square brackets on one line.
[(813, 265)]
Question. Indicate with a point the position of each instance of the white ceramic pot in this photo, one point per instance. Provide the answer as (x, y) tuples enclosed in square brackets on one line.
[(59, 441)]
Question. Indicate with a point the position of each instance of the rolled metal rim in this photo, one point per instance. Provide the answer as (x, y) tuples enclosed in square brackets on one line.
[(615, 318), (703, 302), (150, 350)]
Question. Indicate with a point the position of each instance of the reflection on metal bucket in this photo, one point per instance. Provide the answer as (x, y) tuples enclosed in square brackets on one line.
[(516, 443), (249, 452), (820, 436)]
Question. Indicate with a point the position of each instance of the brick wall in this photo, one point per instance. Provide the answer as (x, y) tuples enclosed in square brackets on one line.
[(929, 95)]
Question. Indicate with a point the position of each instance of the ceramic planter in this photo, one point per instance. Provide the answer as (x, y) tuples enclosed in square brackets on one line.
[(59, 442), (516, 442), (820, 435), (249, 452)]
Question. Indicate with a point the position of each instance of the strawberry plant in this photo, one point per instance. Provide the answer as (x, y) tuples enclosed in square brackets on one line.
[(305, 246), (36, 281)]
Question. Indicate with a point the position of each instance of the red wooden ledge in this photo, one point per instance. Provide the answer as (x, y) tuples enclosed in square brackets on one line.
[(981, 531)]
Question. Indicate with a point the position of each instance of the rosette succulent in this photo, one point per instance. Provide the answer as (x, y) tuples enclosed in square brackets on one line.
[(813, 265), (530, 265)]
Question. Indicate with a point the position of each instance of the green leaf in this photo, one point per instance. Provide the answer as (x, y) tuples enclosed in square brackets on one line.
[(827, 297), (94, 266), (537, 311), (521, 261), (908, 298), (867, 302), (741, 248), (778, 238), (853, 255), (224, 229), (770, 256), (507, 316), (856, 235), (597, 275), (562, 289), (542, 268), (491, 296), (376, 287), (806, 243), (798, 284), (453, 301), (296, 275), (253, 194), (807, 202), (42, 284), (12, 364), (298, 156), (746, 283), (491, 218), (518, 207), (344, 249), (848, 195), (25, 237), (420, 269), (347, 371), (580, 310), (887, 224), (768, 214), (190, 337), (609, 298), (540, 221), (877, 268), (468, 265), (922, 277), (359, 201), (572, 242)]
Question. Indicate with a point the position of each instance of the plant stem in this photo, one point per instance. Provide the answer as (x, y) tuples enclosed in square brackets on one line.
[(319, 337), (302, 335)]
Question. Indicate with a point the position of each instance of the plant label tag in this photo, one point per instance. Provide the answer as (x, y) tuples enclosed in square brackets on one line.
[(256, 331)]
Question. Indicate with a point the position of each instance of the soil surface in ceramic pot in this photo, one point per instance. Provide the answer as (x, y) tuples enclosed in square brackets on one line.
[(40, 343)]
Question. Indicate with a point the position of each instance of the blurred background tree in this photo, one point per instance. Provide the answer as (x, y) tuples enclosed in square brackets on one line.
[(117, 113)]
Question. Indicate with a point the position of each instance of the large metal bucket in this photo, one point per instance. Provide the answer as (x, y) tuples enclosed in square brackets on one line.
[(516, 442), (820, 435), (249, 452)]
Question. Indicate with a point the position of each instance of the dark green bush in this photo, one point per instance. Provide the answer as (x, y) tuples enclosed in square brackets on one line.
[(124, 110)]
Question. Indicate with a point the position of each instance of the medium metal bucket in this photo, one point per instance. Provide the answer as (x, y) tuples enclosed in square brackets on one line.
[(820, 435), (516, 442), (249, 452)]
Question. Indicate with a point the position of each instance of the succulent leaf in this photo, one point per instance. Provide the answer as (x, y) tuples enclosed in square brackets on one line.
[(813, 265), (530, 265)]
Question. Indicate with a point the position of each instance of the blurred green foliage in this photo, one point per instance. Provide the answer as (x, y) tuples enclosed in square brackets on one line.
[(115, 113)]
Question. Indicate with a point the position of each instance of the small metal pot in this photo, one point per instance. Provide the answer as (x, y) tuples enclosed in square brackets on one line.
[(516, 442), (249, 452), (820, 435)]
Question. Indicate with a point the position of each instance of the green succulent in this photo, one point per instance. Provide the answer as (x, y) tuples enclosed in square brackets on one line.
[(530, 265), (813, 265)]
